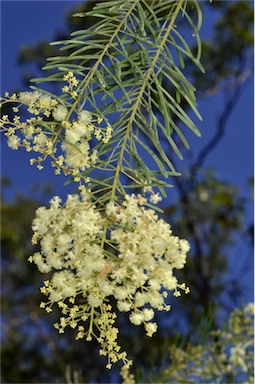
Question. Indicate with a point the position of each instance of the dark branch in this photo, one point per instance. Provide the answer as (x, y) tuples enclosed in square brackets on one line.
[(221, 125)]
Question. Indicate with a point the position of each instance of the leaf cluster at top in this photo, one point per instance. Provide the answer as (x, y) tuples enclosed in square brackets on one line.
[(130, 69)]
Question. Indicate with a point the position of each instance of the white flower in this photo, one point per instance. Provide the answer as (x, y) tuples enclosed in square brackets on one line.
[(169, 281), (72, 136), (155, 299), (184, 245), (42, 266), (55, 296), (203, 195), (121, 293), (155, 284), (55, 202), (141, 299), (69, 289), (40, 139), (85, 117), (123, 306), (148, 314), (93, 156), (150, 328), (155, 198), (42, 221), (77, 132), (249, 309), (44, 102), (119, 274), (94, 301), (13, 142), (106, 287), (136, 318), (77, 157), (27, 98), (237, 357), (60, 113)]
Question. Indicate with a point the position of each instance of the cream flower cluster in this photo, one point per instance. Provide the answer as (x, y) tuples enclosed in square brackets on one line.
[(229, 355), (51, 132), (123, 252)]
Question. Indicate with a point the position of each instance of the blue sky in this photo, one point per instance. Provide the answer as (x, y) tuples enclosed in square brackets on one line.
[(28, 22)]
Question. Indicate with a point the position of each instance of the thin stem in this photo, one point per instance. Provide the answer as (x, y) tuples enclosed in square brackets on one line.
[(90, 331)]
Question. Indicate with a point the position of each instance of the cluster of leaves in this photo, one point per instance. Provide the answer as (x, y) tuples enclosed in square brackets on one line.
[(123, 62)]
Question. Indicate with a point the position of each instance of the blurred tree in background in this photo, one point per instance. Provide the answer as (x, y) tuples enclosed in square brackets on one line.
[(207, 211)]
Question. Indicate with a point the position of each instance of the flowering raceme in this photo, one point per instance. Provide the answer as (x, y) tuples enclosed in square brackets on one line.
[(52, 130), (95, 251), (227, 356), (123, 251)]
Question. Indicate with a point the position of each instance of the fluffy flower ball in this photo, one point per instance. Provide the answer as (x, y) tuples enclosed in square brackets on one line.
[(60, 113)]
